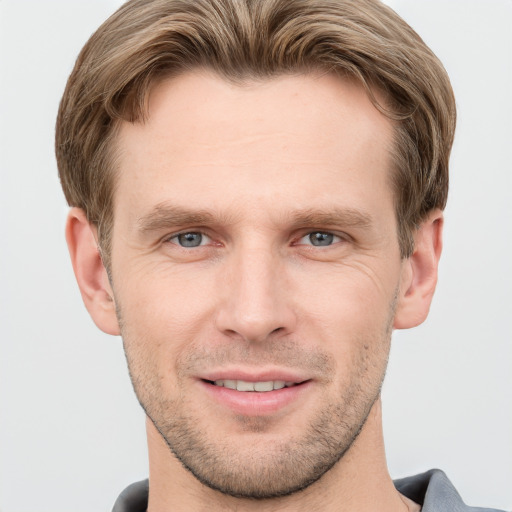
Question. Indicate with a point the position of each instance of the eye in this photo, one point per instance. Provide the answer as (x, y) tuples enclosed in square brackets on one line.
[(190, 239), (320, 239)]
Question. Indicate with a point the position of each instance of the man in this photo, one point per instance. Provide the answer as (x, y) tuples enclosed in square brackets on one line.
[(257, 192)]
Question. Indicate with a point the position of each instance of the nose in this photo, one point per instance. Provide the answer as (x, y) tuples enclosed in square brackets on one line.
[(256, 302)]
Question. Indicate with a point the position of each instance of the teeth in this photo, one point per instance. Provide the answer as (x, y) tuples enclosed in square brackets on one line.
[(231, 384), (263, 386), (242, 385)]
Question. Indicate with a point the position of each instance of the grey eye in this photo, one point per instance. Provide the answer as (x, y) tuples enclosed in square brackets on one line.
[(192, 239), (321, 238)]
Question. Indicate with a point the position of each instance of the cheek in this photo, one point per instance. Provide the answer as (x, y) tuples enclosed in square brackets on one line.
[(162, 311), (350, 299), (162, 293), (350, 317)]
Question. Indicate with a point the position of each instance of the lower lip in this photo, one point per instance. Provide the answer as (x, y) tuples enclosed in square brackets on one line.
[(254, 403)]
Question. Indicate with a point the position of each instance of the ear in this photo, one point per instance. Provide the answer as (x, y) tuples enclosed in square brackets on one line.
[(419, 273), (90, 273)]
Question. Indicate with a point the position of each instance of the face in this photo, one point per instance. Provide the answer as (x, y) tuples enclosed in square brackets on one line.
[(255, 271)]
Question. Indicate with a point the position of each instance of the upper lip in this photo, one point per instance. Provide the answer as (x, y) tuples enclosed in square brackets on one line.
[(254, 375)]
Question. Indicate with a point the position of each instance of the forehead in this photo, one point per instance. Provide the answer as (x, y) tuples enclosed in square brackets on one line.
[(300, 136)]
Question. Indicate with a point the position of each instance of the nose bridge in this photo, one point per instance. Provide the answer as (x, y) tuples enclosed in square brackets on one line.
[(256, 304)]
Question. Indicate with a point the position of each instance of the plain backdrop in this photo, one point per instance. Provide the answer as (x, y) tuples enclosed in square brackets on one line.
[(71, 431)]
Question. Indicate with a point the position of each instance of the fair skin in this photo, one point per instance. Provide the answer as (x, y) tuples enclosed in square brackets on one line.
[(255, 241)]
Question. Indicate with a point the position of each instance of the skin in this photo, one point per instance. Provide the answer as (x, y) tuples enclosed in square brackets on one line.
[(257, 172)]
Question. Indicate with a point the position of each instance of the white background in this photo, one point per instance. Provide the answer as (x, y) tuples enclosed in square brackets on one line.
[(71, 431)]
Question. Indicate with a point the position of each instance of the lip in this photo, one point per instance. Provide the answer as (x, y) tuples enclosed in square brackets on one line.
[(253, 403)]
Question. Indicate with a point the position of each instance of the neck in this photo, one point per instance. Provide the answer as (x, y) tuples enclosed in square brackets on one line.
[(358, 482)]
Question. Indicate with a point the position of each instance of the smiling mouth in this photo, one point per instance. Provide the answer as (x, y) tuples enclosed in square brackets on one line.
[(260, 387)]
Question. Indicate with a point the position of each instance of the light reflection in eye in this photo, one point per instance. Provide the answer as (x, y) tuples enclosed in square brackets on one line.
[(320, 239), (190, 239)]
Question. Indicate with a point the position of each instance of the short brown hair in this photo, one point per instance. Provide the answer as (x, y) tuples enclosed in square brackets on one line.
[(146, 40)]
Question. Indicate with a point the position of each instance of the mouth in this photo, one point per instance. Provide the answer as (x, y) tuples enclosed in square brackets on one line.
[(261, 396), (258, 387)]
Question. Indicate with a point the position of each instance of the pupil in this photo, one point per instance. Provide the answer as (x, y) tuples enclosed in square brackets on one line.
[(321, 239), (190, 239)]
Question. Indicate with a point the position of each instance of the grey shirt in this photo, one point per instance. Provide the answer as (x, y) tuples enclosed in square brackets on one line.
[(432, 490)]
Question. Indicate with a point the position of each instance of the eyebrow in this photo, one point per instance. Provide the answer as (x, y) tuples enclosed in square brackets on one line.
[(165, 215), (346, 217)]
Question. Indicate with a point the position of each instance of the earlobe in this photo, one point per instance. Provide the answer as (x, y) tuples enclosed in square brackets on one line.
[(90, 272), (419, 273)]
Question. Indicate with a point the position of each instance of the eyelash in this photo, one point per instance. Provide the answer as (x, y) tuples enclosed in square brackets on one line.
[(177, 235), (334, 239)]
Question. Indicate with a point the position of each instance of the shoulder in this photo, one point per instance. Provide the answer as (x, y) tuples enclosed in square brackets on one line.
[(134, 498), (435, 493)]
